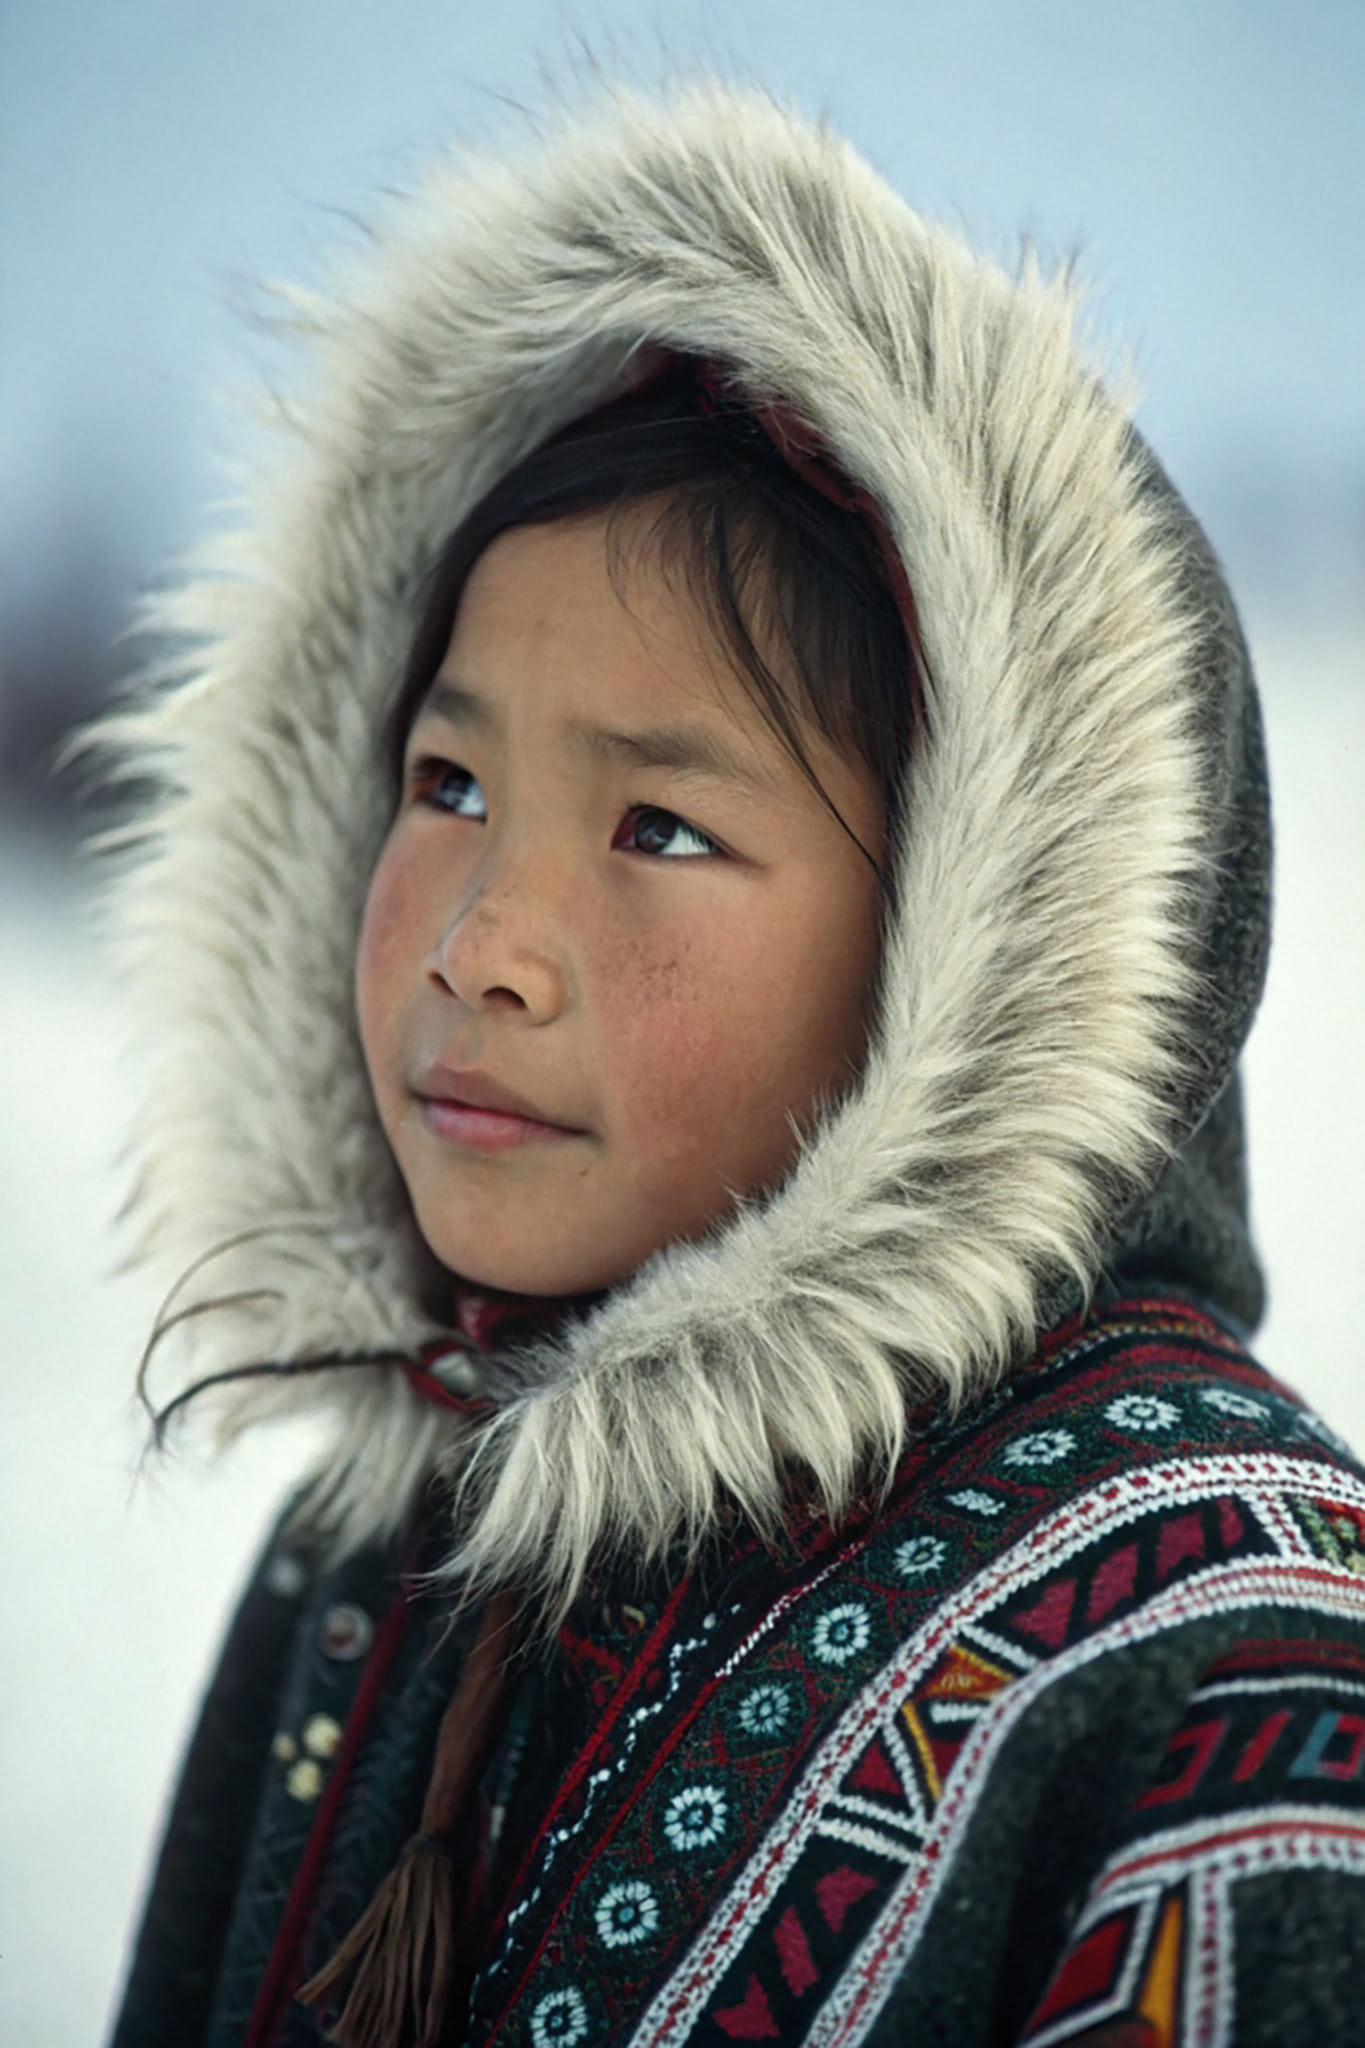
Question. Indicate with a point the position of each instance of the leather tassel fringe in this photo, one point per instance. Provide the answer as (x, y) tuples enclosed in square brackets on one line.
[(401, 1951), (403, 1956)]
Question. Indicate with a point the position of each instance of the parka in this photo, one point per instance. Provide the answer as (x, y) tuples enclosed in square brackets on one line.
[(942, 1629)]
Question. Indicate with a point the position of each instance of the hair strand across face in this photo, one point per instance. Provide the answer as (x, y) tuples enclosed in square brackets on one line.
[(789, 578)]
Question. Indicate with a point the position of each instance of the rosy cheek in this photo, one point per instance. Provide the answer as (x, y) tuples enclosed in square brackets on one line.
[(386, 936), (667, 1029)]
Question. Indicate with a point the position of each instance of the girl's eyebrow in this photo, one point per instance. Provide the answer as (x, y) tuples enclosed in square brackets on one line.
[(456, 704), (693, 749)]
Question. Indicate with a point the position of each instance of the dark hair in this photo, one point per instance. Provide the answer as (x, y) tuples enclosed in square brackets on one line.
[(753, 540)]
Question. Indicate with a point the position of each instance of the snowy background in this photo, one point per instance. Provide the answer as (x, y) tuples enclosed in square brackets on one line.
[(1206, 157)]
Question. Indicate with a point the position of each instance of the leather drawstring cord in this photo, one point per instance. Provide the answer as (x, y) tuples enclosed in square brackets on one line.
[(402, 1957)]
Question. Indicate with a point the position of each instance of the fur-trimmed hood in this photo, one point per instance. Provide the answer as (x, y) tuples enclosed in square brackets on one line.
[(1083, 883)]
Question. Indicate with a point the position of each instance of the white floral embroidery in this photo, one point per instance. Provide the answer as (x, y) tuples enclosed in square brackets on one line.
[(626, 1913), (841, 1632), (695, 1817), (1228, 1402), (1043, 1447), (976, 1502), (560, 2020), (1147, 1412), (766, 1710), (918, 1555)]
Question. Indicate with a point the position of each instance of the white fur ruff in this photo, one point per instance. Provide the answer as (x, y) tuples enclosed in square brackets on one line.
[(1050, 871)]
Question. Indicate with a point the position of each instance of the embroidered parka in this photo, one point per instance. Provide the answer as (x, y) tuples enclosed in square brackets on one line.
[(990, 1668)]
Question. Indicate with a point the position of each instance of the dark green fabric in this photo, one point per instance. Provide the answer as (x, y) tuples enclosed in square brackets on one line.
[(1192, 1226), (1058, 1796), (1300, 1961), (172, 1983), (1075, 1457)]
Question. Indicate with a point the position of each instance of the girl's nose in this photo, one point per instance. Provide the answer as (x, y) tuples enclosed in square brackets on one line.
[(497, 953)]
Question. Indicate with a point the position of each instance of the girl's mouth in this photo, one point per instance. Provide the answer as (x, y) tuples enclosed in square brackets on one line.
[(467, 1107), (484, 1130)]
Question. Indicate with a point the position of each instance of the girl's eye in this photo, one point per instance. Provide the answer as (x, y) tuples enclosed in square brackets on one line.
[(649, 830), (446, 787)]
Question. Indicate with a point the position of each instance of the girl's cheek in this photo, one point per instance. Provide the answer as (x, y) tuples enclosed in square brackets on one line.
[(384, 941), (667, 1044)]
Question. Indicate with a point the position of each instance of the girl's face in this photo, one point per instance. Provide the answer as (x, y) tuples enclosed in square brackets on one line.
[(615, 942)]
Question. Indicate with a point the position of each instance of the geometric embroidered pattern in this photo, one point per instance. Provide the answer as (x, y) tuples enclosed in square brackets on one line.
[(753, 1840), (1273, 1738), (1155, 1942), (731, 1940)]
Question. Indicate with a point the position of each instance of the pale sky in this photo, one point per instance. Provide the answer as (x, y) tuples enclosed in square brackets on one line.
[(1206, 157)]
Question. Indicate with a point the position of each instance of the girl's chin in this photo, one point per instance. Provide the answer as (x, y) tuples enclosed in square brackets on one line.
[(538, 1280), (502, 1262)]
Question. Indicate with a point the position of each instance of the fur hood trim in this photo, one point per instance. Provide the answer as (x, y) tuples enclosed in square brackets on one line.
[(1063, 999)]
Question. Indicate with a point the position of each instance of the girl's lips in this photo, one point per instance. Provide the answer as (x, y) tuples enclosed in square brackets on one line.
[(484, 1130)]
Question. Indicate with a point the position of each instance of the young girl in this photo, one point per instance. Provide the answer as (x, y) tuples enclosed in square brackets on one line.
[(708, 877)]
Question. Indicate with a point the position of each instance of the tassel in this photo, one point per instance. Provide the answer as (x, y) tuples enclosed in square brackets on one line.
[(401, 1955), (401, 1951)]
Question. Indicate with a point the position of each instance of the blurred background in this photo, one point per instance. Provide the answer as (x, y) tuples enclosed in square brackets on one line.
[(1206, 161)]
